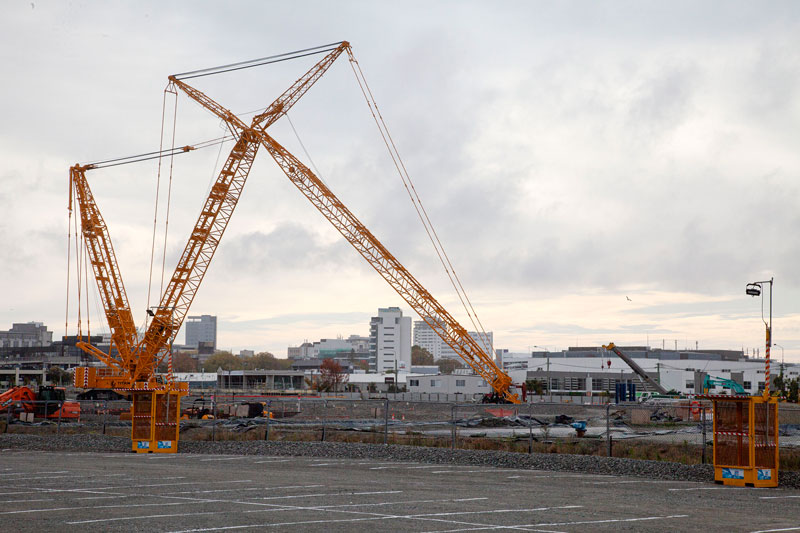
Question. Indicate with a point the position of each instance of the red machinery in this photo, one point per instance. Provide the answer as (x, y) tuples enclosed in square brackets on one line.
[(49, 402)]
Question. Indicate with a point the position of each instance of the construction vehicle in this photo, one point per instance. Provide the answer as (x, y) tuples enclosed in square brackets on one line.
[(48, 402), (710, 382), (201, 409), (636, 368)]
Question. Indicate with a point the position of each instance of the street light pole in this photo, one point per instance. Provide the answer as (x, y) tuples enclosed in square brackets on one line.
[(754, 289)]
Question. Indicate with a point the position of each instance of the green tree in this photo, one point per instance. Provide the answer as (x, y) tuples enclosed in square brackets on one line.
[(224, 360), (57, 375), (534, 386), (183, 362), (447, 366), (266, 361), (331, 376), (794, 385), (420, 356)]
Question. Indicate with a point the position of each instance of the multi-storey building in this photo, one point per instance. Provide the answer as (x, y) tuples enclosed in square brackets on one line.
[(199, 329), (356, 346), (390, 341), (28, 334), (426, 337)]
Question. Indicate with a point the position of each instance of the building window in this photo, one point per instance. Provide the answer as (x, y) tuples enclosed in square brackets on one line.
[(461, 383), (413, 383), (747, 385), (690, 384), (436, 382)]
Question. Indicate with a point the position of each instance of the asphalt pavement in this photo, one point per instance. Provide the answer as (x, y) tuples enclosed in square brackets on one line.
[(50, 491)]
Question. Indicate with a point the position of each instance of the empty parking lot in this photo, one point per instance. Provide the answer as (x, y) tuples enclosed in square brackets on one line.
[(128, 492)]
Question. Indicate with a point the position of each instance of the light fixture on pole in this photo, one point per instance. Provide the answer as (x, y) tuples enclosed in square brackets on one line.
[(755, 289)]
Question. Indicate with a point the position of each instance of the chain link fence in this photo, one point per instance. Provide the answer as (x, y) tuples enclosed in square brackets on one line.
[(680, 431)]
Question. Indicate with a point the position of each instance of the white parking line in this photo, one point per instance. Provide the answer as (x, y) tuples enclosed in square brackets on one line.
[(244, 489), (139, 517), (329, 494), (610, 520), (32, 473), (459, 471), (700, 488), (226, 458), (782, 529), (491, 511), (776, 497)]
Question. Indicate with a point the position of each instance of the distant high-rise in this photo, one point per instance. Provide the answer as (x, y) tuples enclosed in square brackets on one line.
[(426, 337), (390, 341), (201, 328)]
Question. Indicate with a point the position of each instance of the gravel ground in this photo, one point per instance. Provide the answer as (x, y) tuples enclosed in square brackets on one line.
[(560, 462)]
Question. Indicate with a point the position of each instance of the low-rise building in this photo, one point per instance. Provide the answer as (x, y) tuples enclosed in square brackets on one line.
[(28, 334)]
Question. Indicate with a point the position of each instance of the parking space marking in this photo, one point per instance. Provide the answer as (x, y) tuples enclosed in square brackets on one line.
[(226, 458), (609, 520), (459, 471), (330, 494), (776, 497), (139, 517), (774, 530), (534, 509), (248, 488), (373, 516), (32, 473), (699, 488)]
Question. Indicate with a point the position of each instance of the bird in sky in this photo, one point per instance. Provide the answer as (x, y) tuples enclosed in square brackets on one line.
[(628, 299)]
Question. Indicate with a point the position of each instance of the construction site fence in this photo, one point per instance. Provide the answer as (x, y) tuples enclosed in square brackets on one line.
[(453, 397), (623, 430)]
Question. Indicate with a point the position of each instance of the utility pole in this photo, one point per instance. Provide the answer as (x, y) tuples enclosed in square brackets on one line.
[(550, 394)]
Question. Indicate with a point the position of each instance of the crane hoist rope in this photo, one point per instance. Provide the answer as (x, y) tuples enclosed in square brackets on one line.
[(158, 191), (419, 207)]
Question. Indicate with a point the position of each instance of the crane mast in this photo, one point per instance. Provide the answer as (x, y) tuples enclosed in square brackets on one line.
[(106, 272)]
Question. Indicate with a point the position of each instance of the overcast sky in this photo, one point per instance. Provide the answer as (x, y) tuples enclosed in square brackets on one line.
[(597, 171)]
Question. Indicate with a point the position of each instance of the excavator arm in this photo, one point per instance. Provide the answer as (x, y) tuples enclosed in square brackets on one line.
[(635, 367)]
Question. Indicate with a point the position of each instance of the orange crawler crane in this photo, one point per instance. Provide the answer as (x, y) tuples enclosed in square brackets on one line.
[(156, 403)]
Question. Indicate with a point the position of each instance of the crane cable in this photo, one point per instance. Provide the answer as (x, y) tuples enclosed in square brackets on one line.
[(303, 146), (257, 62), (418, 206), (155, 208), (78, 276), (69, 254), (86, 286), (169, 191), (168, 353)]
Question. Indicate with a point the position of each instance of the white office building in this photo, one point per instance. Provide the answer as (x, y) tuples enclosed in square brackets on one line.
[(390, 341), (426, 337), (199, 329)]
